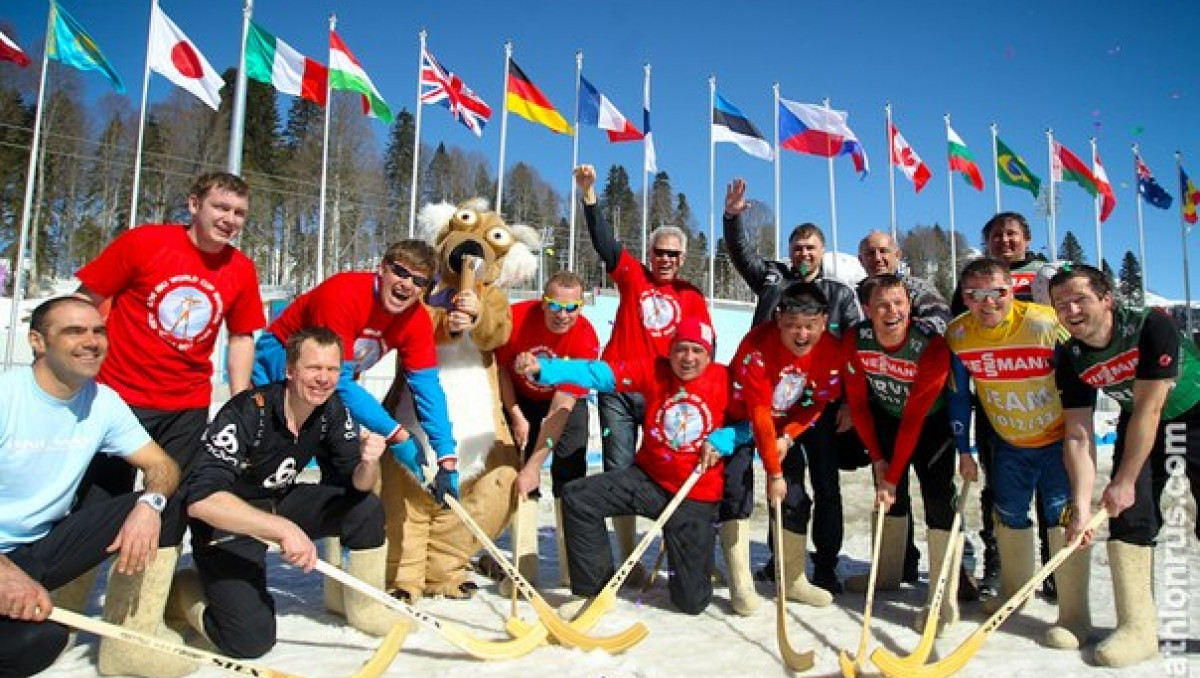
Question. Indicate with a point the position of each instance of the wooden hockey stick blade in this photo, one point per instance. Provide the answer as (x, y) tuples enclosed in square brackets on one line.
[(794, 660), (373, 668), (957, 659), (565, 634), (950, 566), (850, 666)]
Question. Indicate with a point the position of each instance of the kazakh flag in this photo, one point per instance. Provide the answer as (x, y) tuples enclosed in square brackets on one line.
[(68, 43), (1013, 171)]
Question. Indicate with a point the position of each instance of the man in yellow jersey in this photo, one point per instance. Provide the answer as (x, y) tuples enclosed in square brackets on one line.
[(1007, 348)]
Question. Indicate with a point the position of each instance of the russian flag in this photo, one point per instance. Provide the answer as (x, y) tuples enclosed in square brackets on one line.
[(818, 130), (596, 110)]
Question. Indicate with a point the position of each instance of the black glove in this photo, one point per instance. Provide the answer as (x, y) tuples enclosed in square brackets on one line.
[(445, 482)]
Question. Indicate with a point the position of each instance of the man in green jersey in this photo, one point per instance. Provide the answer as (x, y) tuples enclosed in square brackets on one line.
[(1140, 358)]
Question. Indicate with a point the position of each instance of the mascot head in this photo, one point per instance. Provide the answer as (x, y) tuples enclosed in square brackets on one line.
[(472, 229)]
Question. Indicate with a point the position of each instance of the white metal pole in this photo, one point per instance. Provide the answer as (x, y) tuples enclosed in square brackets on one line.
[(574, 163), (832, 211), (1141, 231), (996, 164), (503, 129), (646, 180), (778, 184), (1096, 205), (1051, 211), (953, 231), (325, 162), (1183, 233), (416, 163), (238, 123), (137, 155), (887, 114), (712, 162)]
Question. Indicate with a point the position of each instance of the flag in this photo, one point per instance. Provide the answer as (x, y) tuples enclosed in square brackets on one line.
[(1148, 186), (1066, 166), (819, 130), (174, 57), (526, 100), (1013, 171), (962, 161), (904, 157), (68, 43), (728, 124), (346, 73), (1191, 196), (1108, 199), (10, 51), (651, 162), (272, 61), (595, 109), (439, 86)]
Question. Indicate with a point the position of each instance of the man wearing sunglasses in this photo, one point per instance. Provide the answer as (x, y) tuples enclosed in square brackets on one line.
[(547, 419), (1006, 347), (374, 312), (653, 300)]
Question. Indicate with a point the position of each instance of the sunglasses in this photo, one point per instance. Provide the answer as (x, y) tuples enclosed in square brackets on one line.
[(993, 293), (670, 254), (554, 305), (401, 272)]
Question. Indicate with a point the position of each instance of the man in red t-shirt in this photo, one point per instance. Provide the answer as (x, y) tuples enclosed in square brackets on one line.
[(171, 286), (686, 400), (653, 299), (544, 418)]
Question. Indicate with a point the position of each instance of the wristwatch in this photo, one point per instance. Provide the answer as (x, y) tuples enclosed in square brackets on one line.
[(154, 500)]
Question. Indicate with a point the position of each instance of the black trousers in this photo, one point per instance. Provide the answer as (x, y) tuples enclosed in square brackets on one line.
[(569, 459), (75, 545), (688, 534), (240, 618), (1139, 524), (934, 460)]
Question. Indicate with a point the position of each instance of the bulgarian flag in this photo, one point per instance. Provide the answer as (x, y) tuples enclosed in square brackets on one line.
[(962, 161), (1067, 166), (346, 73), (272, 61)]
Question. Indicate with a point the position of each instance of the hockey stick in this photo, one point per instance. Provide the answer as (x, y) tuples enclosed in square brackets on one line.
[(957, 659), (796, 661), (850, 666), (373, 668), (949, 561), (662, 553), (565, 634), (604, 601)]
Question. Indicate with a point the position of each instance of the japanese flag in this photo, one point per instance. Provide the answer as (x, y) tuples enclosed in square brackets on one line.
[(171, 54)]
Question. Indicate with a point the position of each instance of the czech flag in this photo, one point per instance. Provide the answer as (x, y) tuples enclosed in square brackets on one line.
[(818, 130)]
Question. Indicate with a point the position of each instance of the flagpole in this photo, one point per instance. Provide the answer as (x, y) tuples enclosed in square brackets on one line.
[(416, 163), (504, 128), (27, 206), (1096, 205), (574, 164), (1050, 209), (1183, 231), (832, 211), (325, 162), (238, 124), (953, 232), (712, 162), (887, 114), (1141, 231), (645, 158), (996, 164), (137, 155), (778, 185)]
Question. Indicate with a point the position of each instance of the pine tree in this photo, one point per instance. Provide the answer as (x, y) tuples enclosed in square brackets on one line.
[(1107, 270), (1071, 250), (1130, 281)]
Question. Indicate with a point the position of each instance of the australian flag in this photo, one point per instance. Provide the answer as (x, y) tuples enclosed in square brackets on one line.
[(439, 86), (1148, 188)]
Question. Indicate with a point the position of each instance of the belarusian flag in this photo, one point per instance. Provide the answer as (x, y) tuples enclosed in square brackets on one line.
[(962, 161), (1067, 166), (272, 61), (346, 73)]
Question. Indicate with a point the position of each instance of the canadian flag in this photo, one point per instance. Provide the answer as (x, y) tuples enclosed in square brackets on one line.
[(904, 157), (172, 55)]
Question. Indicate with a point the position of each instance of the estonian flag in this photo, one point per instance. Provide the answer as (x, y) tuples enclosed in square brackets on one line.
[(728, 124)]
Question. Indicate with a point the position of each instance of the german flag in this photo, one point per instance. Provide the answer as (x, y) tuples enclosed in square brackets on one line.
[(527, 101)]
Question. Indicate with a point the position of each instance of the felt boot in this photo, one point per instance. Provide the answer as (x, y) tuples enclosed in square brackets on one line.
[(735, 544), (797, 586), (137, 602), (891, 558), (1136, 636), (1074, 623), (1016, 554)]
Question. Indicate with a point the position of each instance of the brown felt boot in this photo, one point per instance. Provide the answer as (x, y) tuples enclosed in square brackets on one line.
[(137, 602)]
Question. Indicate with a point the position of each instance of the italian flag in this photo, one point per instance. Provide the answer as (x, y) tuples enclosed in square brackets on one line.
[(1067, 166), (346, 73), (962, 161), (272, 61)]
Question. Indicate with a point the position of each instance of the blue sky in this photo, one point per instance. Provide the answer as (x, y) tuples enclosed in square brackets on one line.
[(1123, 72)]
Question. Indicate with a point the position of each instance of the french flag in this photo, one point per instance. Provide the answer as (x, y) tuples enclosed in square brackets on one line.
[(818, 130), (596, 110)]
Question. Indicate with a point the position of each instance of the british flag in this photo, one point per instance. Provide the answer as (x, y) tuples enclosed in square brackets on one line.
[(439, 86)]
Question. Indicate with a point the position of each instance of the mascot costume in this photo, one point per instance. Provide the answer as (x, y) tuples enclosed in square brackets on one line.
[(430, 549)]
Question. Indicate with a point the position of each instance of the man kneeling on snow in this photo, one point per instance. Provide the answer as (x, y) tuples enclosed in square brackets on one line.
[(244, 489)]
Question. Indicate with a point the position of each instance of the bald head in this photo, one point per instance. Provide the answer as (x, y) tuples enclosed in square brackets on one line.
[(878, 253)]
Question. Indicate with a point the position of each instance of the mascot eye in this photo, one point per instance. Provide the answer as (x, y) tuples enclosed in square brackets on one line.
[(467, 217), (500, 237)]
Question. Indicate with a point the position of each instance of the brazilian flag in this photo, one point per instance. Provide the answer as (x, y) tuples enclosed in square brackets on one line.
[(1012, 170)]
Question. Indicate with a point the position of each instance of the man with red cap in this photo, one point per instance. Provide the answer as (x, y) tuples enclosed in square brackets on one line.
[(686, 398)]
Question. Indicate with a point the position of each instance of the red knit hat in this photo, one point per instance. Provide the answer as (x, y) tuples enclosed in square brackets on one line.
[(695, 330)]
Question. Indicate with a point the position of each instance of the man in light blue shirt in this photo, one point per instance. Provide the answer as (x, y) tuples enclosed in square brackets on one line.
[(54, 418)]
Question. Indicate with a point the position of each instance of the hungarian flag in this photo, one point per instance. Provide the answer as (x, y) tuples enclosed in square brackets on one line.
[(9, 51), (527, 101), (904, 157), (173, 56), (346, 73), (1066, 166), (1108, 199), (272, 61), (962, 161), (1013, 171), (1191, 196)]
